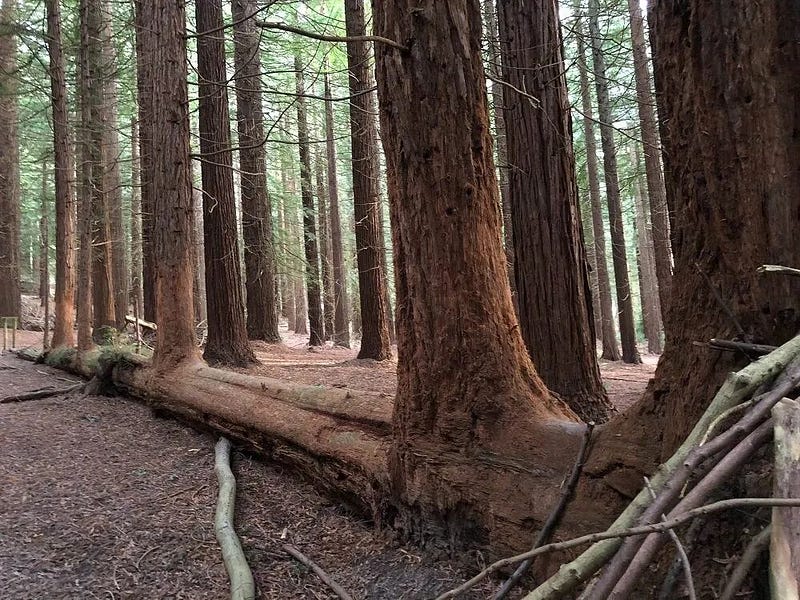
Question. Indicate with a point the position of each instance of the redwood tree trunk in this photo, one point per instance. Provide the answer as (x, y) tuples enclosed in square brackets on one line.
[(553, 293), (659, 213), (63, 331), (316, 327), (375, 342), (608, 333), (341, 336), (466, 386), (325, 249), (227, 331), (137, 296), (163, 40), (630, 353), (9, 165), (259, 253)]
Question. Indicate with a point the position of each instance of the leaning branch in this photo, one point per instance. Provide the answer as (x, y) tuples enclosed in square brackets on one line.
[(330, 38)]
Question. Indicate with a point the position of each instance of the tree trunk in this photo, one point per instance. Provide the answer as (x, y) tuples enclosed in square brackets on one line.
[(585, 209), (325, 249), (63, 331), (498, 103), (259, 253), (227, 331), (553, 293), (163, 41), (10, 299), (466, 386), (648, 283), (608, 331), (341, 336), (659, 214), (111, 179), (375, 342), (136, 292), (317, 333), (286, 259), (44, 245), (199, 286), (630, 354)]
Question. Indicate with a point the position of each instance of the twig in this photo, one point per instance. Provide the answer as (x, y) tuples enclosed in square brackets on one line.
[(555, 514), (734, 346), (591, 538), (242, 585), (331, 38), (720, 300), (41, 393), (687, 566), (778, 269), (751, 553), (337, 589), (667, 587)]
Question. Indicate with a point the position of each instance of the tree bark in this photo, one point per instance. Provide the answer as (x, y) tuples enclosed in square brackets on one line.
[(784, 551), (630, 353), (227, 330), (163, 42), (325, 249), (259, 252), (316, 327), (136, 292), (466, 385), (656, 192), (10, 299), (608, 333), (44, 246), (553, 293), (63, 330), (341, 336), (375, 342)]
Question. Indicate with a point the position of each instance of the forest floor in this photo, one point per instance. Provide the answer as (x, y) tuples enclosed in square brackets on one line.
[(101, 499)]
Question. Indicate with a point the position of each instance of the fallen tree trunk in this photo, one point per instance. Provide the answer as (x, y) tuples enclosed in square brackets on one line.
[(784, 549)]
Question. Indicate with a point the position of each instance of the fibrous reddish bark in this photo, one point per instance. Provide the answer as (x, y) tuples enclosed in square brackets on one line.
[(553, 294), (137, 295)]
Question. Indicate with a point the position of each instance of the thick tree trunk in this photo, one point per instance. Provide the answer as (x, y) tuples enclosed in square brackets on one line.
[(227, 330), (659, 214), (375, 342), (467, 390), (136, 292), (10, 299), (341, 336), (630, 353), (316, 327), (608, 332), (553, 293), (325, 249), (259, 253), (63, 330)]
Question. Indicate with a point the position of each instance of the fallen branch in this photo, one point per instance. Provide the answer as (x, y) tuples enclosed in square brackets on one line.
[(242, 585), (41, 393), (754, 549), (330, 38), (625, 533), (778, 269), (555, 515), (134, 320), (337, 589), (734, 346)]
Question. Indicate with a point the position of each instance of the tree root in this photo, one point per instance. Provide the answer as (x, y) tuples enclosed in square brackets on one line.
[(242, 585)]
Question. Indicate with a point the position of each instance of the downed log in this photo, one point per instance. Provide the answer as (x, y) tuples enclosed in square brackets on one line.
[(42, 393), (329, 581), (133, 320), (242, 585), (785, 541)]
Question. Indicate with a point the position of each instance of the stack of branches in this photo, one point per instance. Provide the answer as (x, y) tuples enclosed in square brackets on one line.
[(751, 407)]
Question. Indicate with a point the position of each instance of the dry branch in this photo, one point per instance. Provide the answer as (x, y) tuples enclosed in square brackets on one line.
[(337, 589), (778, 269), (133, 320), (41, 393), (751, 553), (734, 346), (242, 585)]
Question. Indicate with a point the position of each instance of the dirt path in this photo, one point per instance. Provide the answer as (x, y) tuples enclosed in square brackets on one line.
[(99, 499)]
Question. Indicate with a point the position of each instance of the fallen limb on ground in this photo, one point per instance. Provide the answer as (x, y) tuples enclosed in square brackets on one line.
[(329, 581), (42, 393)]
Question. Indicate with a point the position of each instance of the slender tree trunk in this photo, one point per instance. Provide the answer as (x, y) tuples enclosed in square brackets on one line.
[(659, 213), (648, 283), (325, 249), (111, 179), (63, 331), (375, 342), (162, 37), (498, 103), (553, 293), (341, 336), (287, 260), (317, 332), (608, 333), (136, 292), (44, 242), (10, 299), (259, 252), (630, 353), (465, 382), (199, 286), (227, 331), (585, 208)]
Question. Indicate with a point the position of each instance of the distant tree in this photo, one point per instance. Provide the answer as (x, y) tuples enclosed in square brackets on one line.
[(10, 299), (324, 247), (137, 294), (227, 330)]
